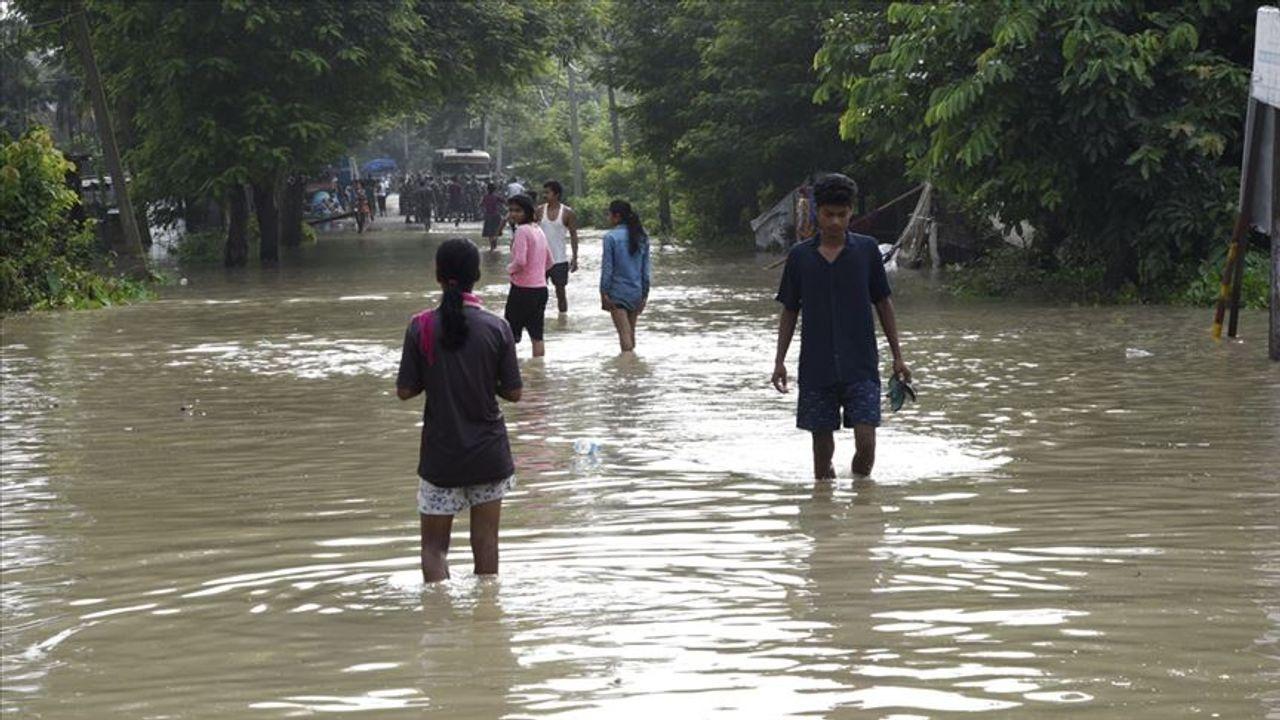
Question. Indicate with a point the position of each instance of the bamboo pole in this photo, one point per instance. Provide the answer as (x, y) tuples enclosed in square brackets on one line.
[(1234, 256)]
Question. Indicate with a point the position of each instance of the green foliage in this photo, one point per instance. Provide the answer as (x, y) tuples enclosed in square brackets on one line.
[(723, 94), (46, 258), (1254, 289), (230, 92), (199, 248), (21, 85), (1111, 127), (1012, 272), (628, 178)]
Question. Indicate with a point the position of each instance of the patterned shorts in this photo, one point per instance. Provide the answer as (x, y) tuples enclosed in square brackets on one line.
[(819, 409), (436, 500)]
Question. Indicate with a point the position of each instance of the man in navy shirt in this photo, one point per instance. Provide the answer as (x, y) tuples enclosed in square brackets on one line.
[(833, 280)]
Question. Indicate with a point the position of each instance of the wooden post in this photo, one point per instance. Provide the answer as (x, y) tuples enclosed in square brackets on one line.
[(1237, 281), (1275, 243), (575, 135), (111, 153), (1228, 272)]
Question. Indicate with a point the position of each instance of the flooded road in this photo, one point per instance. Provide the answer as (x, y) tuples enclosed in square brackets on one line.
[(208, 512)]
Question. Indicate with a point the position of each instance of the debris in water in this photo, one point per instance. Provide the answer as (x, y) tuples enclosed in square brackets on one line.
[(1132, 353)]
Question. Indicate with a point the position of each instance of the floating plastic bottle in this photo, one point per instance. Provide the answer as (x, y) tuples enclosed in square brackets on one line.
[(583, 446)]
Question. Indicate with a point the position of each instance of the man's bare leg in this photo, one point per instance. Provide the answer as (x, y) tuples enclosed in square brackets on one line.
[(622, 323), (824, 448), (864, 456), (539, 348), (435, 546), (484, 536), (562, 300)]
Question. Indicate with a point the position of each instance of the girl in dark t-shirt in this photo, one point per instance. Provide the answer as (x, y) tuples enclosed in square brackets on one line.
[(463, 358)]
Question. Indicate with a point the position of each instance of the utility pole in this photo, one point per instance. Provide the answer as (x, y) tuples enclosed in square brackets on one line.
[(1274, 345), (111, 153), (501, 172), (575, 136), (406, 145)]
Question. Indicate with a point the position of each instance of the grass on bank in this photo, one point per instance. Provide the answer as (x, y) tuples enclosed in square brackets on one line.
[(1011, 272)]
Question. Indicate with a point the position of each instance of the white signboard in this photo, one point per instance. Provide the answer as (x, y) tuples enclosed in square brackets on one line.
[(1266, 57)]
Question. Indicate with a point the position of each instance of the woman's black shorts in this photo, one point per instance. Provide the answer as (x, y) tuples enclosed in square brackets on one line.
[(525, 309)]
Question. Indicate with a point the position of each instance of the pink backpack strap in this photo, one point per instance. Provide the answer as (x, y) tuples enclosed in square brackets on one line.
[(427, 334)]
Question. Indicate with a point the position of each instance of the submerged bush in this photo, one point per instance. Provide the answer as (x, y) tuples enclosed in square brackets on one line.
[(1254, 289), (47, 259)]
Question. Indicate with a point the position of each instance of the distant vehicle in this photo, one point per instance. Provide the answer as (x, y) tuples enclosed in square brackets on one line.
[(461, 161)]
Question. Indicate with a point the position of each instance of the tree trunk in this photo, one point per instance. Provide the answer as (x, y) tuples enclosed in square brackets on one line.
[(1122, 266), (499, 156), (575, 133), (614, 124), (111, 153), (264, 205), (406, 146), (237, 252), (291, 202), (664, 201)]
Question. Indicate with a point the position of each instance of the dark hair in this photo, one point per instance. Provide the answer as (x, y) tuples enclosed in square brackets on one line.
[(525, 204), (834, 189), (490, 187), (458, 269), (556, 186), (635, 230)]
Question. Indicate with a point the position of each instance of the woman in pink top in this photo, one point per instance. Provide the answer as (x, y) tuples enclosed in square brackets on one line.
[(530, 260)]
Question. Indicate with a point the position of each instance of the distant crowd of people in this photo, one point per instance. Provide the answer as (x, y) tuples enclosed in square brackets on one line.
[(425, 198)]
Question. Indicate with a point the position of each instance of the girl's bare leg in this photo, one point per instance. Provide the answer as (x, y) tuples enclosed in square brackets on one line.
[(484, 536), (539, 348), (622, 322), (634, 317), (435, 546)]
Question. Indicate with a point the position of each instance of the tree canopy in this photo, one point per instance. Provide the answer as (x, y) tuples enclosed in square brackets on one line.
[(1111, 127)]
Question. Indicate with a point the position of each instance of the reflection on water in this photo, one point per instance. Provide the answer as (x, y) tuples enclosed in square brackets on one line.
[(214, 492)]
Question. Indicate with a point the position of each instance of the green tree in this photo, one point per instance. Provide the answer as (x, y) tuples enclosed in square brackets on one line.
[(229, 94), (1111, 126), (47, 257), (723, 95)]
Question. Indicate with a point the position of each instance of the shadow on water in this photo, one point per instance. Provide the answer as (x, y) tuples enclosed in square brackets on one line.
[(214, 492)]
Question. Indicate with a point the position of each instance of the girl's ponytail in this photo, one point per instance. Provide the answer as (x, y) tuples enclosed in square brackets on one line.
[(458, 269), (453, 322)]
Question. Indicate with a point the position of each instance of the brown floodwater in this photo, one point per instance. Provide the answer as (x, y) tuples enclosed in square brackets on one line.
[(208, 511)]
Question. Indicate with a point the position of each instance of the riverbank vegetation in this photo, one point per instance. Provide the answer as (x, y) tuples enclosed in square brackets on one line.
[(1110, 130), (48, 257)]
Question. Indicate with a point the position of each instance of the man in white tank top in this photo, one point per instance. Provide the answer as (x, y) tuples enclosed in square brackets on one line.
[(558, 221)]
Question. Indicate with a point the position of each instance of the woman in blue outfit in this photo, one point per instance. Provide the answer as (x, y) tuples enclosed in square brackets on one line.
[(624, 272)]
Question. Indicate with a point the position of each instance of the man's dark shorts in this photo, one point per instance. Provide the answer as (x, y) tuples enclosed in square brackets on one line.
[(819, 409), (525, 310), (558, 274)]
